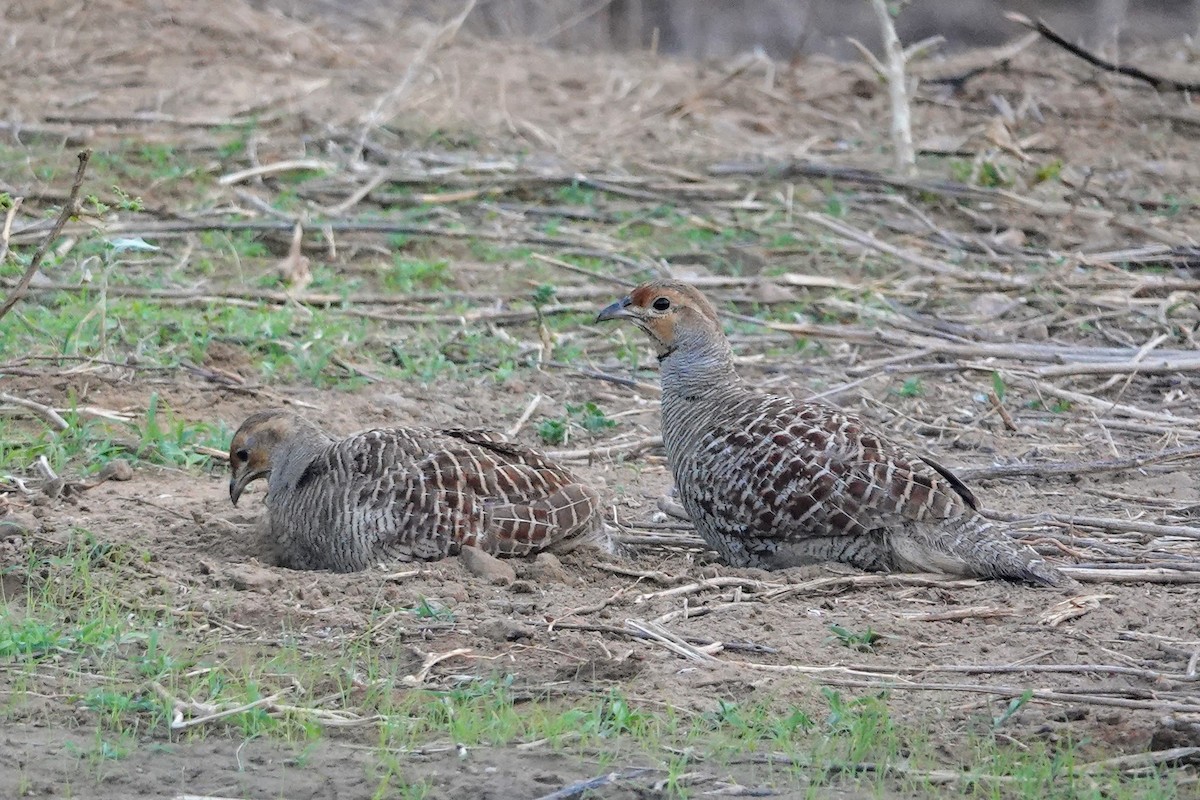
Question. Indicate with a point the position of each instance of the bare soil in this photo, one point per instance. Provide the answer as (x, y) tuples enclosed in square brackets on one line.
[(71, 69)]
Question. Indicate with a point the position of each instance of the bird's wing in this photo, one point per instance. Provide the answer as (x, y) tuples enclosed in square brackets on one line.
[(814, 468)]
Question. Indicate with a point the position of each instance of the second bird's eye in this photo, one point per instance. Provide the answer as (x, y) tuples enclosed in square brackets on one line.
[(662, 304), (242, 455)]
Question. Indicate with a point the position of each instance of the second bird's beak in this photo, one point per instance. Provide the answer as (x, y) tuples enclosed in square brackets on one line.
[(238, 484), (618, 310), (235, 489)]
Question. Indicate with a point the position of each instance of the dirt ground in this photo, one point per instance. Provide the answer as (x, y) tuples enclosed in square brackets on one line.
[(1118, 653)]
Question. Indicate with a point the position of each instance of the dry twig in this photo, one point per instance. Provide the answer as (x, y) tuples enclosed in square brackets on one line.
[(897, 81), (69, 209), (1159, 82)]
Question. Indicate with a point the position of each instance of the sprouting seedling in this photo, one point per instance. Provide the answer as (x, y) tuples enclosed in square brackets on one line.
[(543, 295), (998, 386), (552, 431), (863, 641), (1014, 705), (591, 417)]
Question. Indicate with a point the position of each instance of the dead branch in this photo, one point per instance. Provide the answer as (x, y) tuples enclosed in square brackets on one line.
[(45, 412), (1160, 83), (6, 231), (69, 209), (897, 82), (1075, 468)]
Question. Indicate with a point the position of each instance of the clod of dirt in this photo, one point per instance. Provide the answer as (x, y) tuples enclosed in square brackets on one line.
[(486, 566), (601, 669), (1172, 732), (546, 568), (504, 630), (116, 470), (16, 524), (251, 577)]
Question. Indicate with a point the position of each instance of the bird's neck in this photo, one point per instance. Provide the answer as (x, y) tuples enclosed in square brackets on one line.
[(697, 370), (293, 455)]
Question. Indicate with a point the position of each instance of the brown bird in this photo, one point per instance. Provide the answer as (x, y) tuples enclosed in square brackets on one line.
[(771, 482), (405, 493)]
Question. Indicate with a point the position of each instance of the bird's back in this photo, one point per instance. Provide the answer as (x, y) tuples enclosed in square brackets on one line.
[(773, 482), (416, 493)]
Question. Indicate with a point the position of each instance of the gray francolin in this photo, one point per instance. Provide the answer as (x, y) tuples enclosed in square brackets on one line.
[(405, 494), (772, 482)]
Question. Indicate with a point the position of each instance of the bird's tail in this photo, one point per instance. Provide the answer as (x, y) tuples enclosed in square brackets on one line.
[(974, 546), (565, 518)]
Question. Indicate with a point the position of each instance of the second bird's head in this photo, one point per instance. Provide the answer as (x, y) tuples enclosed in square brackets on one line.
[(672, 313), (254, 444)]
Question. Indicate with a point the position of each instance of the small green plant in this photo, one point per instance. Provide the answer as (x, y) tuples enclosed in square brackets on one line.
[(992, 176), (543, 295), (435, 611), (911, 388), (29, 638), (1014, 705), (998, 386), (614, 716), (861, 641), (409, 274), (174, 441), (860, 727), (552, 431), (1050, 171), (590, 417)]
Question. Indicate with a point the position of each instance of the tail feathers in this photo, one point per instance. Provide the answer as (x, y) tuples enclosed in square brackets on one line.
[(976, 547)]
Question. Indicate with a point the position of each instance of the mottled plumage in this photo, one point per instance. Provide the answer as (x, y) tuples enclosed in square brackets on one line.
[(405, 493), (771, 482)]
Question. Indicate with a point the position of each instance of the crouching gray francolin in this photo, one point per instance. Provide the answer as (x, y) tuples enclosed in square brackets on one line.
[(772, 482), (405, 494)]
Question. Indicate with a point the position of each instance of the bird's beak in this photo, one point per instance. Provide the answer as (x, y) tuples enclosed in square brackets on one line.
[(618, 310), (238, 484), (235, 488)]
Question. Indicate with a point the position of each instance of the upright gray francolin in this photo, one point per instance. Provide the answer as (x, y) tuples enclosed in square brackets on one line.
[(405, 493), (771, 482)]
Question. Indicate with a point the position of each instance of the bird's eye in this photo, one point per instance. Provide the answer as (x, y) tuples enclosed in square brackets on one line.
[(662, 304), (242, 455)]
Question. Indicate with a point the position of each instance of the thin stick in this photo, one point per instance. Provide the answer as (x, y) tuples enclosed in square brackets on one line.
[(1141, 760), (1131, 367), (1159, 83), (902, 141), (278, 166), (749, 647), (628, 450), (431, 660), (672, 642), (1103, 523), (1075, 468), (45, 412), (1088, 698), (579, 788), (6, 231), (525, 415), (68, 210)]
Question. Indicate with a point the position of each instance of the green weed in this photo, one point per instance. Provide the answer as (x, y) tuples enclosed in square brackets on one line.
[(863, 641)]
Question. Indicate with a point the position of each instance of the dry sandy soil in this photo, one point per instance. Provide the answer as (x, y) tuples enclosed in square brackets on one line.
[(1082, 241)]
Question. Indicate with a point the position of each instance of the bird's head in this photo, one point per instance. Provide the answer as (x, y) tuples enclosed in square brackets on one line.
[(674, 315), (253, 447)]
